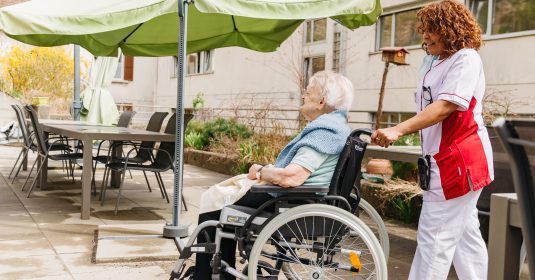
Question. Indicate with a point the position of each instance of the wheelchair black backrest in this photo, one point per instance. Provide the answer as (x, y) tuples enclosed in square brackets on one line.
[(346, 177)]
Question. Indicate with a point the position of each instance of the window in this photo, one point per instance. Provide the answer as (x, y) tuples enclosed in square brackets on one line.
[(125, 68), (174, 67), (398, 29), (312, 65), (337, 41), (504, 16), (315, 30), (392, 118), (121, 107), (198, 63)]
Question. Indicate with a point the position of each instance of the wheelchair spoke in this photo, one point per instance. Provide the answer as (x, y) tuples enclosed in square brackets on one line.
[(316, 246)]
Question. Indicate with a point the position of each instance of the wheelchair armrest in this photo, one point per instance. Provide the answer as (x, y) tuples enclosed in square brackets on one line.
[(296, 190)]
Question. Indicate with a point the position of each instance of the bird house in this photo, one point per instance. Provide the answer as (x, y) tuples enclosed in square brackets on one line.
[(394, 55)]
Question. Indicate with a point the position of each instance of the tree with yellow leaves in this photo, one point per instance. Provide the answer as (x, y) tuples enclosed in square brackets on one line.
[(38, 71)]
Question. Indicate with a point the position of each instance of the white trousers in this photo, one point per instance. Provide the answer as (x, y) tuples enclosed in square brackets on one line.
[(449, 231)]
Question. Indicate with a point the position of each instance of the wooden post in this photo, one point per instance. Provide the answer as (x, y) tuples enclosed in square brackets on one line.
[(379, 113)]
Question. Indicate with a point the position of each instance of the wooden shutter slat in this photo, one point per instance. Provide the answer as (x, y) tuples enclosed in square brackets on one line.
[(129, 68)]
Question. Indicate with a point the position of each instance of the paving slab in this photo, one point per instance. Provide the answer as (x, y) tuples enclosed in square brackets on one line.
[(133, 242), (31, 267)]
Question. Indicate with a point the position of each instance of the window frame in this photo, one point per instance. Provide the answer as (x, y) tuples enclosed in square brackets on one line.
[(307, 30), (307, 67), (487, 34), (200, 69), (124, 63), (120, 65), (379, 29)]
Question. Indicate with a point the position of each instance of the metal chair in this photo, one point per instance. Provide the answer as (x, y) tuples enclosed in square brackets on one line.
[(124, 121), (144, 154), (43, 151), (28, 142), (163, 161), (510, 134)]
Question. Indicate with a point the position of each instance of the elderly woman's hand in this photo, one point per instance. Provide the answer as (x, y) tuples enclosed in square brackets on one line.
[(384, 137), (253, 170)]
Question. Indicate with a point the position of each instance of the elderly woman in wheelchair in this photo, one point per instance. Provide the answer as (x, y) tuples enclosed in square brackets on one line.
[(293, 219)]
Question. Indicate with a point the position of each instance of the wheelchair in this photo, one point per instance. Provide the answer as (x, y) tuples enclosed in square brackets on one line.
[(307, 232)]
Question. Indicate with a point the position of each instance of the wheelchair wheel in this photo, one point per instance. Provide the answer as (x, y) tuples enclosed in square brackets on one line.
[(317, 241), (373, 220)]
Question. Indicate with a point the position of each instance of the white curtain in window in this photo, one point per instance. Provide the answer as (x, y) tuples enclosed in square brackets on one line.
[(98, 105)]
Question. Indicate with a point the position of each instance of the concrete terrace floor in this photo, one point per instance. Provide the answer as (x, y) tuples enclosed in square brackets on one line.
[(43, 237)]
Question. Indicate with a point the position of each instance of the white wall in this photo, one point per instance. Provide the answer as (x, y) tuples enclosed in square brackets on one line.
[(509, 65)]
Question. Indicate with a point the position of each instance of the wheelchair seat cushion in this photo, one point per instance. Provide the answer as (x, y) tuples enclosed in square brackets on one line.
[(236, 215)]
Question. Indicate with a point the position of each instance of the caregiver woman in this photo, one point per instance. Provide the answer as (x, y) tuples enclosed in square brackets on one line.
[(448, 99)]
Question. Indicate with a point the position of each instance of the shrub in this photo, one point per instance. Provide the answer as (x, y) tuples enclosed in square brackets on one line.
[(406, 211), (200, 135), (36, 71), (406, 170), (195, 140)]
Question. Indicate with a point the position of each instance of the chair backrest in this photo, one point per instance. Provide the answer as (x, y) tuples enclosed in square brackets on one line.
[(156, 121), (22, 124), (38, 131), (155, 124), (125, 118), (516, 137), (162, 159), (346, 176)]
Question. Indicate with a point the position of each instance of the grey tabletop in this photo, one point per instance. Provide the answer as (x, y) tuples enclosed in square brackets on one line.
[(89, 132), (85, 131)]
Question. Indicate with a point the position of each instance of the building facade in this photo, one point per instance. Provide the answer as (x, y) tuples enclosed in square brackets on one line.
[(232, 79)]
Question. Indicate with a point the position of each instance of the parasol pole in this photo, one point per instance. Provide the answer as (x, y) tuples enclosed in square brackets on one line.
[(175, 229)]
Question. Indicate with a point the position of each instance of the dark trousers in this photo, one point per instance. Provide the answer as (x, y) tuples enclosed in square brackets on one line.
[(203, 270)]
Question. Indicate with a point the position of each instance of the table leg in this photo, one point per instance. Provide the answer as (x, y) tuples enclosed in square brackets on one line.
[(86, 179), (115, 180), (504, 241)]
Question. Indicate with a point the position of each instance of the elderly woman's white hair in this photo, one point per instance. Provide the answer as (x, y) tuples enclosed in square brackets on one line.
[(336, 88)]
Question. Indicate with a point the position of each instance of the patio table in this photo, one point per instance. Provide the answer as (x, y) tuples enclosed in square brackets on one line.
[(87, 133)]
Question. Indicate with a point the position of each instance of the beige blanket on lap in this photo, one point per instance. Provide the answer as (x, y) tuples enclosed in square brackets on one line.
[(226, 193)]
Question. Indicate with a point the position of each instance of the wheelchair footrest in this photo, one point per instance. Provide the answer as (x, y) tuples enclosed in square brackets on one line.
[(200, 248)]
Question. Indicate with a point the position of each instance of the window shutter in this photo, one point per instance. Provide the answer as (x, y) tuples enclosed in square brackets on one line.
[(128, 68)]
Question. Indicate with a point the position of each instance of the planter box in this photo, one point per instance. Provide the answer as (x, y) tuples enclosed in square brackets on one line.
[(212, 161), (370, 192)]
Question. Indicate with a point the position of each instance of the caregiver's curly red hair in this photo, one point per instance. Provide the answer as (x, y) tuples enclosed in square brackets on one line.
[(454, 23)]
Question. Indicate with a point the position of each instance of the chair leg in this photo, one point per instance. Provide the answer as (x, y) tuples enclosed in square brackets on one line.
[(20, 166), (184, 203), (163, 186), (119, 194), (130, 172), (15, 164), (36, 176), (29, 173), (104, 185), (156, 174), (147, 180), (93, 183)]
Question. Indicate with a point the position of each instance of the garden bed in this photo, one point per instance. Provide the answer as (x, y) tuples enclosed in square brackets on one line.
[(213, 161), (397, 199)]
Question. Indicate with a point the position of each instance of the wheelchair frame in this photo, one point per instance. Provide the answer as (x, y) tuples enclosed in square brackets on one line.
[(245, 235)]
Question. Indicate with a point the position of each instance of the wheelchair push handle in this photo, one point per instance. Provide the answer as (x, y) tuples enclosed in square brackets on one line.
[(358, 132)]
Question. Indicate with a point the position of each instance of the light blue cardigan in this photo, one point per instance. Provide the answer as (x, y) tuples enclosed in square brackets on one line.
[(327, 134)]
